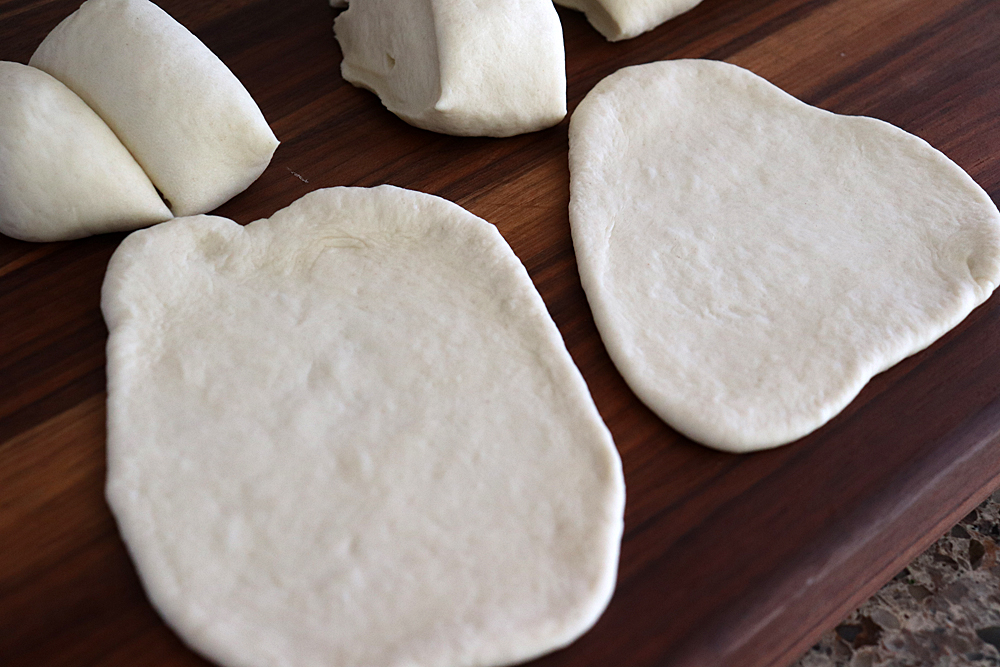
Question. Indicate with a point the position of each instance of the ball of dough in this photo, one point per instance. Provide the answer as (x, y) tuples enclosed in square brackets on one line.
[(459, 67), (351, 435), (63, 172), (752, 261), (625, 19), (185, 117)]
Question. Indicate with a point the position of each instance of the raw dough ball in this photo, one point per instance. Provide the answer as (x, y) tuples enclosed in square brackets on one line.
[(459, 66), (624, 19), (752, 261), (63, 172), (351, 435), (184, 116)]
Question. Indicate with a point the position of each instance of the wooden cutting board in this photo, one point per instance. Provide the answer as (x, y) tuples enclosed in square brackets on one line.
[(726, 560)]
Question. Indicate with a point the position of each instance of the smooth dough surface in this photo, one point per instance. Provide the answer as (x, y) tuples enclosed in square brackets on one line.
[(624, 19), (351, 435), (63, 172), (459, 66), (752, 261), (185, 117)]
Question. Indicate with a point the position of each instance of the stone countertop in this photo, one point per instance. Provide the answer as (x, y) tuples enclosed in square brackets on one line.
[(941, 611)]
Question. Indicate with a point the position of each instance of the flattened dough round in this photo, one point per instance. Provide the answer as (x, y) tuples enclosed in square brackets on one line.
[(351, 435), (63, 172), (625, 19), (752, 261), (185, 117), (459, 67)]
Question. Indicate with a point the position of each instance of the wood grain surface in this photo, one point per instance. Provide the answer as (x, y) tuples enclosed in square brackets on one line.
[(726, 560)]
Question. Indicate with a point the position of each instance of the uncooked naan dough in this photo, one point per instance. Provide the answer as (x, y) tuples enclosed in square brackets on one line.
[(624, 19), (752, 261), (185, 117), (352, 435), (63, 172), (459, 66)]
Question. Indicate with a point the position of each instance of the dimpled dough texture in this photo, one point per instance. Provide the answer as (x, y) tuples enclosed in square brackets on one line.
[(63, 172), (185, 117), (461, 67), (624, 19), (752, 261), (351, 435)]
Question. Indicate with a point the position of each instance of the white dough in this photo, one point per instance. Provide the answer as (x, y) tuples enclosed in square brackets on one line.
[(185, 117), (352, 435), (459, 66), (624, 19), (63, 172), (752, 261)]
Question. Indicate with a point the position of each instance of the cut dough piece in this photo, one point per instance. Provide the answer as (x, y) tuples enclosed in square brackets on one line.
[(459, 67), (63, 172), (352, 435), (752, 261), (185, 117), (625, 19)]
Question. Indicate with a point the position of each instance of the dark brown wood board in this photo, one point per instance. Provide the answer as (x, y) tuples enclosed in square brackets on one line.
[(726, 560)]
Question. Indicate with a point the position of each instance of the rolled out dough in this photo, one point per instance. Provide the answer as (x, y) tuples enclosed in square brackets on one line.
[(352, 435), (459, 66), (624, 19), (63, 172), (185, 117), (752, 261)]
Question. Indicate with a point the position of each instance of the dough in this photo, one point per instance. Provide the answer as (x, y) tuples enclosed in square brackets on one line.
[(351, 435), (187, 120), (624, 19), (459, 66), (63, 172), (752, 261)]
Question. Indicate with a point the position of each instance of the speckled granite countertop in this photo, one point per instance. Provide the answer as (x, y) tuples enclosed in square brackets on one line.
[(941, 611)]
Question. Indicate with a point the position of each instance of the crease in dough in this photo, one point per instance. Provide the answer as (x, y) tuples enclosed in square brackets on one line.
[(186, 118), (63, 172)]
